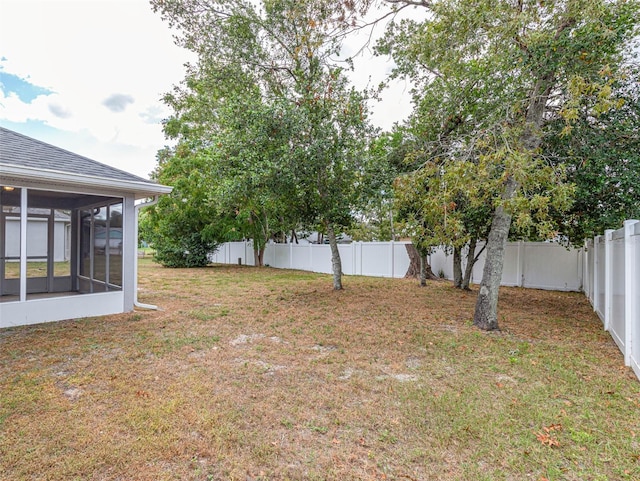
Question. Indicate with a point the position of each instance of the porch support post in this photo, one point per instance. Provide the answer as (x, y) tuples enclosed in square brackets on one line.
[(129, 252), (50, 249), (74, 254), (23, 244)]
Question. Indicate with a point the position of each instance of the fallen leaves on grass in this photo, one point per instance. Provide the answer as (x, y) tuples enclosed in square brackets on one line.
[(546, 435)]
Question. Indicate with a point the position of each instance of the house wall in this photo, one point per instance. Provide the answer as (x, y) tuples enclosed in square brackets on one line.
[(59, 308)]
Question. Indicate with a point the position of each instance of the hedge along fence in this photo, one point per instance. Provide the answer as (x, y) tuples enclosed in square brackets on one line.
[(540, 265), (612, 284)]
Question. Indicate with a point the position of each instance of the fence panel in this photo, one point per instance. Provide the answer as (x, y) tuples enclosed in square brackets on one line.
[(238, 252), (375, 259), (534, 264), (551, 266), (512, 268), (588, 263), (441, 264), (634, 323), (400, 259), (280, 255), (614, 280), (617, 324), (321, 258), (300, 256)]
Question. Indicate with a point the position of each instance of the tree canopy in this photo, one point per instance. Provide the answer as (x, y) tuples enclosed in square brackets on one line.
[(270, 107), (602, 155), (520, 108), (489, 75)]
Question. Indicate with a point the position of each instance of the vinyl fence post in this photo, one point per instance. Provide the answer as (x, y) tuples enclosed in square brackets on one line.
[(391, 260), (608, 277), (630, 290), (520, 260), (290, 255), (353, 258), (580, 268), (594, 275)]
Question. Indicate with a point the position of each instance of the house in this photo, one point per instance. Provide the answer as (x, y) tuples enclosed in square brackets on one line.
[(37, 231), (68, 233)]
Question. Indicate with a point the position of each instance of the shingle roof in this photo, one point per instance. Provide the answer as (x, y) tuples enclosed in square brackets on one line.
[(22, 151)]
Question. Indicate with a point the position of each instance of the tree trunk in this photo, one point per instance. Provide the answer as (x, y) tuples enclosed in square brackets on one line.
[(424, 264), (486, 313), (457, 267), (336, 263), (415, 261), (471, 261), (258, 256)]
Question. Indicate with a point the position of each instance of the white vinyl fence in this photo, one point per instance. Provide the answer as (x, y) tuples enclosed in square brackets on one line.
[(612, 284), (541, 265)]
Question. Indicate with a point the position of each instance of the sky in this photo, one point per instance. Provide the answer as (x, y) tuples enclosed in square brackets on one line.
[(88, 76)]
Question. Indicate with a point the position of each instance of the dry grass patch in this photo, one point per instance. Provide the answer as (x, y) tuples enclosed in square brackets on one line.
[(263, 374)]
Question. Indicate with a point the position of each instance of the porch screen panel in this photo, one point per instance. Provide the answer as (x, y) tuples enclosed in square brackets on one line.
[(11, 254), (100, 244), (37, 248), (62, 243), (115, 245), (10, 240), (85, 243)]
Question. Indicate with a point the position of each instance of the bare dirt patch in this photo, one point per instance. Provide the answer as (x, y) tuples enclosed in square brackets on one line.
[(260, 374)]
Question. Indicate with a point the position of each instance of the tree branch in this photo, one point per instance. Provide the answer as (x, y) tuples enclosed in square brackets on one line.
[(415, 3)]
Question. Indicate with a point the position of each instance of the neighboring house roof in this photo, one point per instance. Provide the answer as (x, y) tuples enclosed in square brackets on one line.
[(26, 158)]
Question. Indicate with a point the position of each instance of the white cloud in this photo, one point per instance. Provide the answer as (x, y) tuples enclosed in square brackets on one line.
[(118, 102), (59, 111)]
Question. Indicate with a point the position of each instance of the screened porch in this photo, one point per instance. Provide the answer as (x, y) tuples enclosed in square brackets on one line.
[(55, 244)]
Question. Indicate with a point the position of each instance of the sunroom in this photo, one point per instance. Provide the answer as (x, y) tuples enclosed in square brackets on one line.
[(68, 233)]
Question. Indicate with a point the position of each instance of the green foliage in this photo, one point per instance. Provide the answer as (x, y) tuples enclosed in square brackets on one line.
[(186, 250), (284, 135), (489, 75), (181, 227), (376, 218), (602, 152), (475, 122)]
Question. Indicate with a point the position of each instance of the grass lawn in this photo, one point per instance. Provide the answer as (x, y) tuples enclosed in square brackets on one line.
[(264, 374)]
